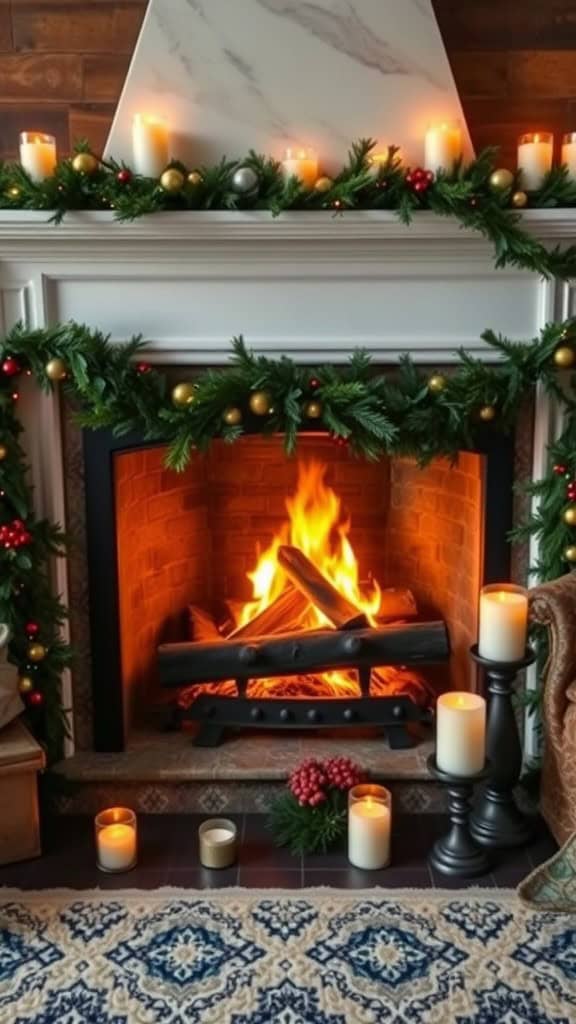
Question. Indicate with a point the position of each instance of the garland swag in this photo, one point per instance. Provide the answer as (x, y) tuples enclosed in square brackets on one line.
[(478, 196), (404, 412)]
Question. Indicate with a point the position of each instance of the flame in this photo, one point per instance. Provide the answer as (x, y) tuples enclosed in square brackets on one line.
[(316, 525)]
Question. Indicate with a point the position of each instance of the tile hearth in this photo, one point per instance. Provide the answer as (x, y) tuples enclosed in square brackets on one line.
[(169, 856)]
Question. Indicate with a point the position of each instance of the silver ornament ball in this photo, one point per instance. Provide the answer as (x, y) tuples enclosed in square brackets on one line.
[(245, 180)]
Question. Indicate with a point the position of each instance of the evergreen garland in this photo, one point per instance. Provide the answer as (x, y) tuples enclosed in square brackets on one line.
[(465, 193), (404, 412)]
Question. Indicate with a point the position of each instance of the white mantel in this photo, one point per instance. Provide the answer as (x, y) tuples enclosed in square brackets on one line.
[(311, 285)]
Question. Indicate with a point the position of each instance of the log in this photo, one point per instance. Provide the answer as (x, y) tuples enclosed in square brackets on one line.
[(283, 614), (289, 654), (320, 592)]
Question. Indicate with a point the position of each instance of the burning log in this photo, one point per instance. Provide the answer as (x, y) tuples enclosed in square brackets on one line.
[(298, 653), (283, 614), (310, 581)]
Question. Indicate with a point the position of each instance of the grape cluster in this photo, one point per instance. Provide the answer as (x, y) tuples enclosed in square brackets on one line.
[(311, 781), (14, 534)]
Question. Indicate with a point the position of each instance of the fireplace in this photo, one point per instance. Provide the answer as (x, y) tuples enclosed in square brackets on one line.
[(192, 559)]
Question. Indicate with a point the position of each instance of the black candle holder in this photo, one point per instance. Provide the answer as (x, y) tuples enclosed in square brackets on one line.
[(457, 854), (496, 820)]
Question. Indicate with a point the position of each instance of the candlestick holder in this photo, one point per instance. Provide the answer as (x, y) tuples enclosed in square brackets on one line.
[(496, 820), (457, 854)]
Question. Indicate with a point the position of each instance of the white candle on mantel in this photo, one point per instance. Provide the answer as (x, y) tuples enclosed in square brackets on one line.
[(569, 153), (503, 625), (442, 146), (369, 828), (302, 164), (534, 158), (150, 144), (460, 733), (38, 154), (117, 847)]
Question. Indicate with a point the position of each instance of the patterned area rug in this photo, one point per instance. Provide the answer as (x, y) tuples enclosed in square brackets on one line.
[(238, 956), (552, 886)]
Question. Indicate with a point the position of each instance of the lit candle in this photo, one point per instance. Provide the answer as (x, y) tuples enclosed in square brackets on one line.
[(150, 142), (380, 161), (442, 146), (116, 839), (302, 165), (503, 622), (569, 153), (369, 827), (534, 158), (218, 839), (38, 154), (460, 733)]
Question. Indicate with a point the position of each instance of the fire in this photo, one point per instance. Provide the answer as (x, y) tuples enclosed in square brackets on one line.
[(317, 526)]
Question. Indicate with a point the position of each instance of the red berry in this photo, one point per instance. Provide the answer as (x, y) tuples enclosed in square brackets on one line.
[(35, 698), (32, 628), (559, 470), (124, 176), (313, 383), (11, 367), (143, 367)]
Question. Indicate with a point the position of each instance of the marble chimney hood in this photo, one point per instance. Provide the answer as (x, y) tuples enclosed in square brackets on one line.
[(230, 75)]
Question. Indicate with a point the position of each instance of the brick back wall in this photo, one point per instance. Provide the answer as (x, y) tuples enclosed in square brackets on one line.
[(63, 64), (434, 545), (164, 561)]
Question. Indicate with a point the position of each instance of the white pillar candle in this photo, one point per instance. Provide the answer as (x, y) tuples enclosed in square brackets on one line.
[(503, 623), (150, 144), (116, 839), (38, 154), (569, 153), (369, 827), (460, 733), (303, 165), (534, 158), (442, 146)]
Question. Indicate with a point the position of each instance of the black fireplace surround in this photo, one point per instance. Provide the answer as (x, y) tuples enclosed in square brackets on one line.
[(100, 449)]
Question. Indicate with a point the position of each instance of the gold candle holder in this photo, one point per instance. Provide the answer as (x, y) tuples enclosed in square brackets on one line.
[(218, 839)]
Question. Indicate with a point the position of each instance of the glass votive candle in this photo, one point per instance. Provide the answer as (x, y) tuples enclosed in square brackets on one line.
[(218, 841), (534, 158), (116, 839), (503, 622), (38, 154), (369, 826)]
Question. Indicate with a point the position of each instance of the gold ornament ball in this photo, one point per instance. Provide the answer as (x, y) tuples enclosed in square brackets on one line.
[(183, 394), (172, 180), (85, 163), (323, 184), (564, 357), (195, 178), (487, 413), (232, 416), (569, 516), (37, 652), (3, 452), (260, 403), (570, 553), (437, 383), (501, 179), (519, 200), (25, 684), (313, 410), (56, 369)]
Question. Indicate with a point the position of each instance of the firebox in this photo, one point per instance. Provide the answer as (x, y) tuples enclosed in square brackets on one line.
[(256, 589)]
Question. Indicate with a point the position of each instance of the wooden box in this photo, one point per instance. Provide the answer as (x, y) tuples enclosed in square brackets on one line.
[(21, 758)]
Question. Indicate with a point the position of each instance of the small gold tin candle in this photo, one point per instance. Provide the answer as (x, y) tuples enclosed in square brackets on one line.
[(218, 843)]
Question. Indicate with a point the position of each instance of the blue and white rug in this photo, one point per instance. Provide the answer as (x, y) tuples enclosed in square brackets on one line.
[(324, 956)]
